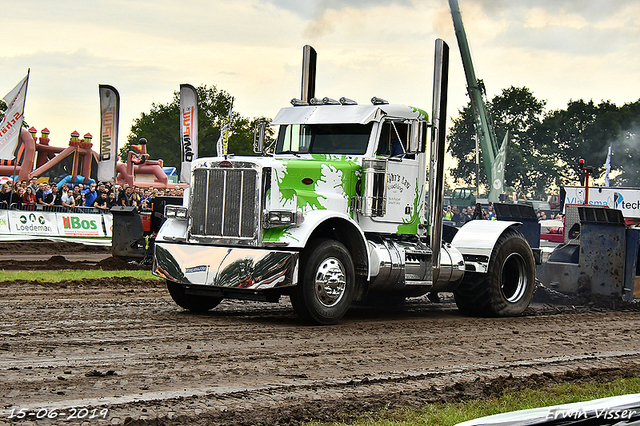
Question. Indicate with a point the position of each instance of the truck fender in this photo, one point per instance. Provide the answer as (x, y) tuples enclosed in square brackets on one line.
[(476, 240), (336, 225)]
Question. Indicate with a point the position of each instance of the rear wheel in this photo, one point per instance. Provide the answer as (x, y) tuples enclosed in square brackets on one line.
[(326, 286), (507, 289), (189, 301)]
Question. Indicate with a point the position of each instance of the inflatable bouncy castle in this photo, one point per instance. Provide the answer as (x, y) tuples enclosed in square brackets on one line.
[(36, 158), (140, 171), (78, 163)]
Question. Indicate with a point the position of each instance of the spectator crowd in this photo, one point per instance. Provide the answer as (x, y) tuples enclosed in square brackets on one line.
[(462, 215), (32, 195)]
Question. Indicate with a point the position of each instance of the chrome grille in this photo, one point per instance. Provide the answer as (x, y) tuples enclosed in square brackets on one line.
[(224, 203)]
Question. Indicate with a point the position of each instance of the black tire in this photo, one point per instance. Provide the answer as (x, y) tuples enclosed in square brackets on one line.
[(507, 288), (191, 302), (326, 283)]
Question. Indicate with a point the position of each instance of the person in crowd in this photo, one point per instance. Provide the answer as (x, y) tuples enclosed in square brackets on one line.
[(56, 196), (33, 184), (492, 214), (91, 196), (40, 194), (78, 199), (457, 217), (16, 198), (448, 214), (145, 200), (464, 217), (102, 189), (29, 197), (124, 196), (48, 196), (101, 202), (111, 200), (5, 195), (68, 200)]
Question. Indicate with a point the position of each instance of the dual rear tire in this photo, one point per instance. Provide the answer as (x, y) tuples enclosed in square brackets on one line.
[(507, 288)]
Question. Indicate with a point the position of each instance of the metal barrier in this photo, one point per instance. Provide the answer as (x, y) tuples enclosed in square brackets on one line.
[(51, 209)]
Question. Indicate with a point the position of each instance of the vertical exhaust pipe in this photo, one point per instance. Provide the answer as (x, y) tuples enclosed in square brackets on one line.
[(309, 59), (438, 135)]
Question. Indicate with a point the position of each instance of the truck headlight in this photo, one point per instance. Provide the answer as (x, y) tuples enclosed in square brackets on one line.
[(178, 212), (283, 218)]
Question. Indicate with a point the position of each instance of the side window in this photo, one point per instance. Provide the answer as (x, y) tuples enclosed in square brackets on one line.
[(393, 139), (384, 144)]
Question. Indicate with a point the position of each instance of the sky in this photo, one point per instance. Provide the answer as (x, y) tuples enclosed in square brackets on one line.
[(560, 49)]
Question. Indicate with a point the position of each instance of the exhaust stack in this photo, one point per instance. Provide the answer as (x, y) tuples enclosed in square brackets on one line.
[(309, 59), (438, 135)]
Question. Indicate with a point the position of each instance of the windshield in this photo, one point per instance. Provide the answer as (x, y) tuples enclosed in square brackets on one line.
[(323, 138)]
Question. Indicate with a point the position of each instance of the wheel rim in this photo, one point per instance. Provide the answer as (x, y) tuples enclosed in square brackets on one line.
[(514, 278), (330, 282)]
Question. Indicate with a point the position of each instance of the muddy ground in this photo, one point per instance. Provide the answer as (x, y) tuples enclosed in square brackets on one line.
[(121, 347)]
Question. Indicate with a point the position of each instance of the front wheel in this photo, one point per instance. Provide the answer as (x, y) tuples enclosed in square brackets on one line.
[(507, 288), (326, 286), (189, 301)]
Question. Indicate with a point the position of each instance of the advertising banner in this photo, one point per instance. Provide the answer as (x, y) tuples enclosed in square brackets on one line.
[(4, 222), (80, 224), (109, 121), (32, 223), (625, 199), (12, 119), (188, 129)]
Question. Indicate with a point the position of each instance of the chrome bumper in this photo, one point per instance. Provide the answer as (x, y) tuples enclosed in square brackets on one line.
[(228, 267)]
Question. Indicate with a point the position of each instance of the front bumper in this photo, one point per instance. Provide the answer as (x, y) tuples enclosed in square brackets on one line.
[(227, 267)]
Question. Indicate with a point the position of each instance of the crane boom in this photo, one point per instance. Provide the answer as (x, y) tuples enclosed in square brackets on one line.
[(493, 156)]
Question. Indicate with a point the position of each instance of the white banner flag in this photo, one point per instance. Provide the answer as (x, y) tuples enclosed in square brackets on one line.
[(607, 166), (12, 120), (188, 129), (109, 122)]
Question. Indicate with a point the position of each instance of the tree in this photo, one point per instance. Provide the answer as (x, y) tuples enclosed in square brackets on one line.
[(586, 130), (160, 127), (529, 166)]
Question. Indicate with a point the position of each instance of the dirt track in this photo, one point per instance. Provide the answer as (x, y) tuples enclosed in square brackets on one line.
[(124, 346)]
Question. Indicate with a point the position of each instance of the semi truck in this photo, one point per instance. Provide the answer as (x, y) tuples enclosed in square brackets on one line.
[(335, 214)]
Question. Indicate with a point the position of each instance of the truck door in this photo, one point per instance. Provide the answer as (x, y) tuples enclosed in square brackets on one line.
[(403, 183)]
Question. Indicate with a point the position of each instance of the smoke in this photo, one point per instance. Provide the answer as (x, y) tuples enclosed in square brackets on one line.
[(625, 156), (329, 13)]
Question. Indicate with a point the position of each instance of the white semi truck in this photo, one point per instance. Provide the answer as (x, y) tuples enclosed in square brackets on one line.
[(336, 215)]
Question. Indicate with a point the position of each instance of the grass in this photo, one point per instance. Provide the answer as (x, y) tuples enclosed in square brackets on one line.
[(453, 413), (70, 274)]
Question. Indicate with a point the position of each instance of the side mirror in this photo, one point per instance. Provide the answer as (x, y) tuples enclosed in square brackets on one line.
[(258, 135)]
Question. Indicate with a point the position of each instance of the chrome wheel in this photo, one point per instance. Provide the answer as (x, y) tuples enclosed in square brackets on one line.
[(514, 278), (330, 282)]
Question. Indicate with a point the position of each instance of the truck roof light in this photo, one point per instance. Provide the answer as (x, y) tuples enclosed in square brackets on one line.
[(347, 101), (329, 101), (298, 102), (315, 101), (379, 101)]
